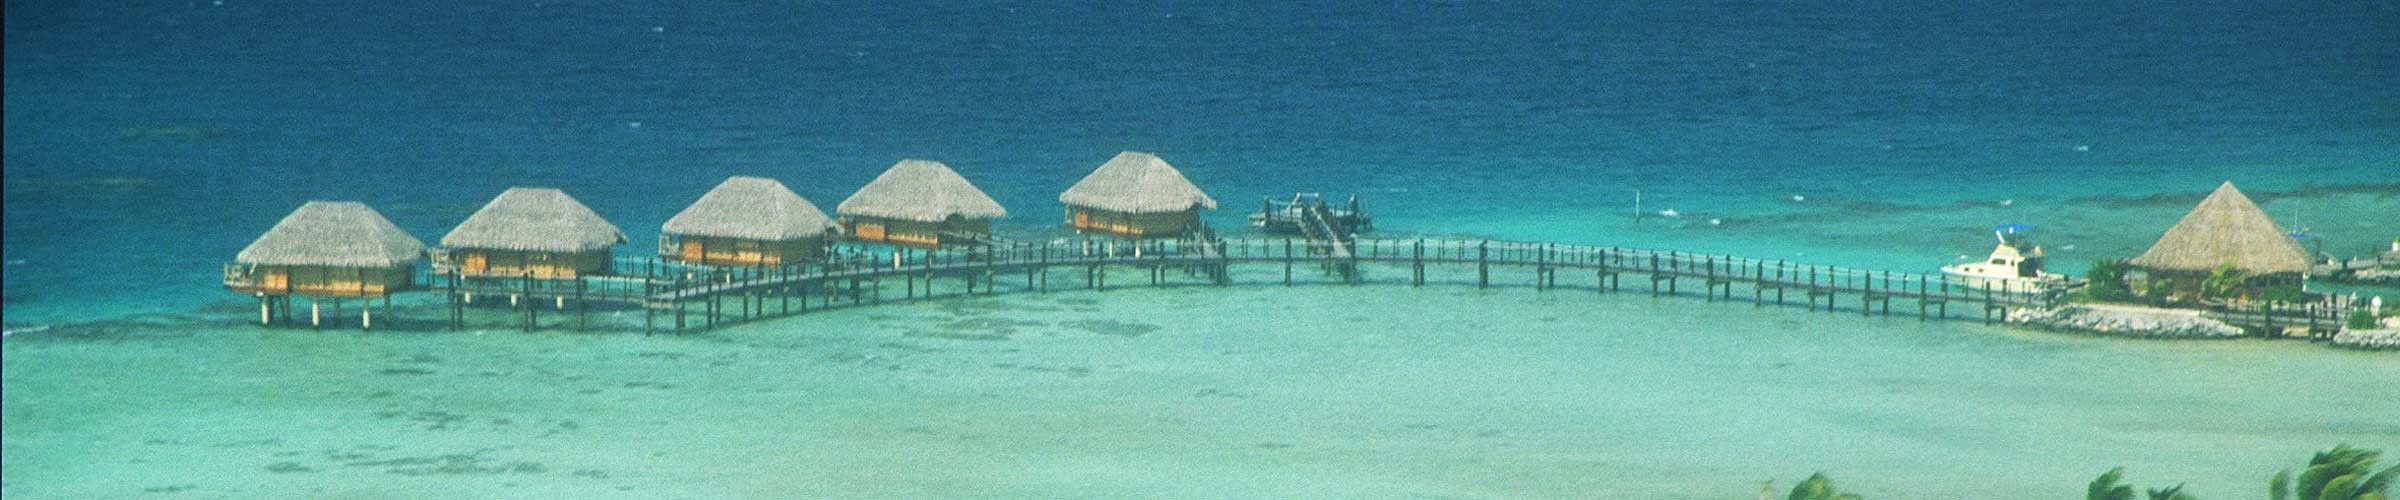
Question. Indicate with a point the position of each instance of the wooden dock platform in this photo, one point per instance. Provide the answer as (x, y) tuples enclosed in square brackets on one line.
[(683, 297)]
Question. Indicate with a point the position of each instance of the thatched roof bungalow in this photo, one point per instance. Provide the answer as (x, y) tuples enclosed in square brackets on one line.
[(1135, 195), (537, 231), (747, 221), (2225, 229), (327, 248), (919, 203)]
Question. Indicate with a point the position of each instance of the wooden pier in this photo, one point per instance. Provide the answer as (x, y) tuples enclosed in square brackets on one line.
[(683, 297)]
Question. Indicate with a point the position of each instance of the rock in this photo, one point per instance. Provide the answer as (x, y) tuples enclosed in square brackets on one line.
[(2125, 321), (2378, 339)]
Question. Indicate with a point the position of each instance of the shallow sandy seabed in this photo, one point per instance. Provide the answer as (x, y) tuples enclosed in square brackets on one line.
[(1252, 392)]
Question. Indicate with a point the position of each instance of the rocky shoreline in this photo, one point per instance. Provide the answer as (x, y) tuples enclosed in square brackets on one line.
[(2375, 340), (2125, 321)]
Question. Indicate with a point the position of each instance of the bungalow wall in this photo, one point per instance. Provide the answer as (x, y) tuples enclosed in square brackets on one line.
[(487, 262), (912, 233), (739, 251), (2182, 286), (1152, 225), (328, 281)]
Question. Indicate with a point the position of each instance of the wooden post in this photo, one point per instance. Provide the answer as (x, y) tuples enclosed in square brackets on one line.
[(1483, 266), (457, 312), (1287, 262), (1779, 284), (266, 315), (581, 310), (530, 319), (1416, 264), (315, 320), (1541, 266), (366, 315), (1710, 277), (1987, 302)]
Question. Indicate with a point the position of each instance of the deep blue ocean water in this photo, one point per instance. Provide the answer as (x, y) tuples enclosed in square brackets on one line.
[(145, 143)]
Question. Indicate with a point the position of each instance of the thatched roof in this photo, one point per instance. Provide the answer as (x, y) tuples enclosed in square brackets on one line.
[(920, 190), (1139, 183), (333, 234), (2226, 229), (534, 220), (754, 208)]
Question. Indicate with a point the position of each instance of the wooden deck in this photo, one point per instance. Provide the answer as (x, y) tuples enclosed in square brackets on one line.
[(677, 297)]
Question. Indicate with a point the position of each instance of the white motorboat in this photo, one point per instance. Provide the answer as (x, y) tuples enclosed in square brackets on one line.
[(2015, 263)]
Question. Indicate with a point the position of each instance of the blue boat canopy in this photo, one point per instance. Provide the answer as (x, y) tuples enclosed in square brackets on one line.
[(2012, 228)]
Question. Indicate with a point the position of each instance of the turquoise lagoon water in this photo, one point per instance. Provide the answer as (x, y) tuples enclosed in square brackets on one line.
[(147, 143)]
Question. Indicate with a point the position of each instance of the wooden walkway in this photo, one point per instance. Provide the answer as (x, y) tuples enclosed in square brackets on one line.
[(679, 297)]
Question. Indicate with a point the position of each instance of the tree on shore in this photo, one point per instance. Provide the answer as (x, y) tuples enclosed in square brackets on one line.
[(2106, 488), (2105, 282), (2343, 473), (1817, 487)]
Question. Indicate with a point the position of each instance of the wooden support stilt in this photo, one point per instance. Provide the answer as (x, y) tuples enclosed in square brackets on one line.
[(1416, 264), (366, 317), (582, 309), (1287, 262), (1483, 264), (450, 291)]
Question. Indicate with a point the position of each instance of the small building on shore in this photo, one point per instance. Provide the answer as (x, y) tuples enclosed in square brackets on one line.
[(2225, 232), (1135, 195), (327, 248), (540, 232), (919, 203), (747, 221)]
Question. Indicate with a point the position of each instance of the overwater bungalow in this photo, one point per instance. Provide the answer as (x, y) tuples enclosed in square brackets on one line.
[(2226, 231), (747, 221), (329, 249), (922, 204), (1135, 195), (530, 231)]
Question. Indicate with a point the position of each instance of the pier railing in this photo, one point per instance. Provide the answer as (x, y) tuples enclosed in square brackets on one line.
[(857, 275)]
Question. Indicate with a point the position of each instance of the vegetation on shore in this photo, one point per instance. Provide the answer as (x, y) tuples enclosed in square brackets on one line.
[(2111, 281), (2342, 473)]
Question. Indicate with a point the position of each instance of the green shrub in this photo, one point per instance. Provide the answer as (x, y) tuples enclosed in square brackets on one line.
[(2284, 293), (2360, 320), (2107, 282)]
